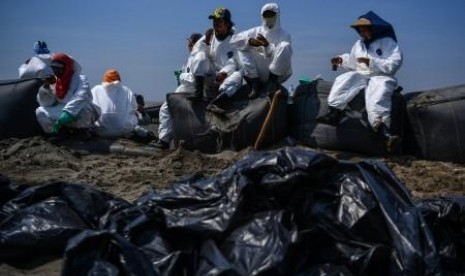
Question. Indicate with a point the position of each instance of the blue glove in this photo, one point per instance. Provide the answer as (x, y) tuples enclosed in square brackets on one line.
[(64, 119)]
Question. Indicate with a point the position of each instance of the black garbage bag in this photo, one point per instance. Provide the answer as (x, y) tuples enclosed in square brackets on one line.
[(104, 253), (41, 219), (284, 212), (446, 218), (260, 245), (208, 209), (144, 226)]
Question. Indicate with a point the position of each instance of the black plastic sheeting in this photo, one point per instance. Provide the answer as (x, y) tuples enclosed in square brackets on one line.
[(285, 212), (437, 124), (353, 134), (18, 104), (238, 127)]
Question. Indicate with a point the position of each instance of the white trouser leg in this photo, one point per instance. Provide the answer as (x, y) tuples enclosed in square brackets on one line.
[(165, 129), (378, 99), (345, 88), (281, 61)]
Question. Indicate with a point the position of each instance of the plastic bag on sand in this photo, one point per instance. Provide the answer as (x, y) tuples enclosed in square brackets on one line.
[(284, 212)]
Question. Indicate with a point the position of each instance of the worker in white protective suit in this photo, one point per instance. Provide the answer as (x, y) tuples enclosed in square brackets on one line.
[(372, 63), (66, 106), (118, 107), (38, 66), (265, 52), (216, 67), (187, 84)]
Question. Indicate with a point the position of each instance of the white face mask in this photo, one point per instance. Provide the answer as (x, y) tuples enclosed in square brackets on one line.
[(111, 86), (269, 22)]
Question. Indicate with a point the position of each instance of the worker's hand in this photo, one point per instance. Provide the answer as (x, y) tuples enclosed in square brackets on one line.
[(177, 73), (50, 79), (336, 61), (208, 36), (254, 42), (263, 40), (64, 119), (221, 77), (364, 60)]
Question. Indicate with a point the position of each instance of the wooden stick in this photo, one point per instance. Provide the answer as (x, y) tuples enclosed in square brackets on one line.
[(267, 122)]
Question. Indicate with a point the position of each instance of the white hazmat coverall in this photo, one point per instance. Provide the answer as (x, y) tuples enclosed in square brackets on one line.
[(260, 61), (377, 78), (77, 102), (187, 84), (118, 109), (218, 57), (36, 67)]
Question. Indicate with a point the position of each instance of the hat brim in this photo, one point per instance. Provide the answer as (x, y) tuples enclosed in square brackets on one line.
[(361, 22)]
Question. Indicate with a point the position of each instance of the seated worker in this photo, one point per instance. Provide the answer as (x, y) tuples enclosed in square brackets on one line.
[(186, 81), (372, 63), (118, 109), (216, 66), (38, 66), (265, 52), (66, 106), (142, 116)]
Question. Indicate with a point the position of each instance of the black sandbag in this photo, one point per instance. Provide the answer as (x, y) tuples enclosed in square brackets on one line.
[(437, 121), (353, 134), (18, 104), (238, 127)]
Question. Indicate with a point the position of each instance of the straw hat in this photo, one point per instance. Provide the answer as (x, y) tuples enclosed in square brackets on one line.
[(361, 22)]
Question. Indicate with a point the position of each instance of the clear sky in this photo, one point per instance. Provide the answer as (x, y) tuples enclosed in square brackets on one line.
[(146, 39)]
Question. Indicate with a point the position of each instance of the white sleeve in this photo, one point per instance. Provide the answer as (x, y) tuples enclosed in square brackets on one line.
[(391, 57), (80, 98), (240, 40)]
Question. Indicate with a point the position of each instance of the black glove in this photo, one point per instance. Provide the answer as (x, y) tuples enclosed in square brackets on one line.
[(263, 40), (208, 36)]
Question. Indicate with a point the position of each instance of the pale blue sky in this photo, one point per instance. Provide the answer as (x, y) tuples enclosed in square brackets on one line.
[(145, 39)]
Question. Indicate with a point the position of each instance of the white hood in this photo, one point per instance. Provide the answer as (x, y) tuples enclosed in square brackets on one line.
[(271, 7)]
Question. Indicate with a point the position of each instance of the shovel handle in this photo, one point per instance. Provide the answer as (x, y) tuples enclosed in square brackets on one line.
[(267, 122)]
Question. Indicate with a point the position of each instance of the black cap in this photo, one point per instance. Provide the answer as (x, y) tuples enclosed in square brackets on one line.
[(220, 13), (194, 37)]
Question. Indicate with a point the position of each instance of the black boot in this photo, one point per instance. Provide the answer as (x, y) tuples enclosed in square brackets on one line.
[(392, 141), (217, 104), (199, 87), (272, 84), (255, 87), (333, 117)]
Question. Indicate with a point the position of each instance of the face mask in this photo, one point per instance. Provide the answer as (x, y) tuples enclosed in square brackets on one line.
[(270, 22), (111, 86)]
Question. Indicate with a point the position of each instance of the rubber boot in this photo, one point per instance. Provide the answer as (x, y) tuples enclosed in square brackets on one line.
[(199, 87), (392, 141), (255, 85), (272, 84), (333, 117), (217, 104)]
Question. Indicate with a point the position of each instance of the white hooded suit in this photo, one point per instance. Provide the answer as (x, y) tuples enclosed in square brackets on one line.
[(118, 106), (260, 61), (377, 79), (77, 102)]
